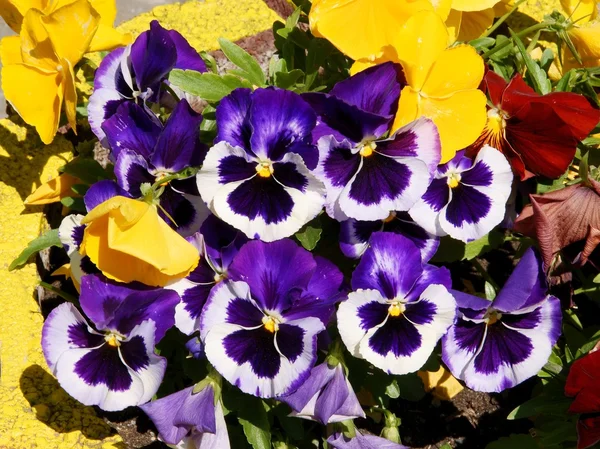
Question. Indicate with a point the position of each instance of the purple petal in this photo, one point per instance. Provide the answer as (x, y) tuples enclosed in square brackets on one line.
[(333, 397), (403, 224), (222, 241), (354, 236), (132, 128), (179, 145), (233, 119), (162, 414), (153, 55), (188, 211), (187, 57), (467, 301), (375, 90), (131, 171), (109, 74), (320, 375), (339, 441), (102, 191)]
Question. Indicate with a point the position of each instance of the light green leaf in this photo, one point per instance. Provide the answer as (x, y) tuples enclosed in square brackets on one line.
[(393, 390), (208, 86), (535, 73), (253, 418), (249, 66), (46, 240), (310, 234), (485, 244), (490, 291), (285, 80)]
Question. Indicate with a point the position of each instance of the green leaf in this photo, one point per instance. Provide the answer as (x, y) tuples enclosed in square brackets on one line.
[(490, 291), (255, 422), (485, 244), (75, 204), (536, 75), (393, 390), (411, 387), (208, 86), (46, 240), (86, 169), (520, 441), (285, 80), (249, 66), (310, 234), (80, 189), (482, 43), (446, 446), (210, 61)]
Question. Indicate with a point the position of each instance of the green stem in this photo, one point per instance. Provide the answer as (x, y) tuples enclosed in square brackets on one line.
[(526, 31), (59, 292), (502, 19)]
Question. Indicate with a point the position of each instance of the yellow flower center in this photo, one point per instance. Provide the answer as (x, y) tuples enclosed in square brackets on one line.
[(367, 149), (491, 317), (264, 169), (219, 277), (396, 308), (390, 217), (112, 340), (271, 323), (160, 176), (454, 180)]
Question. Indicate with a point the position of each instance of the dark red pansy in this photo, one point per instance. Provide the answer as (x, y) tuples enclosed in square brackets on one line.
[(588, 431), (538, 134)]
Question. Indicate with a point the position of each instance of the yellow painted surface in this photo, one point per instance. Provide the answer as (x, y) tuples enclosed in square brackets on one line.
[(202, 22), (441, 383)]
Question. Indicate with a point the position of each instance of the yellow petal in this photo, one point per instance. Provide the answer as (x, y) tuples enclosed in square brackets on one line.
[(70, 94), (107, 10), (473, 5), (36, 95), (116, 240), (586, 40), (107, 38), (420, 42), (71, 29), (580, 11), (10, 50), (36, 48), (457, 68), (474, 23), (360, 28), (442, 7), (453, 25), (444, 385), (12, 11), (388, 53), (502, 7), (53, 191), (460, 118)]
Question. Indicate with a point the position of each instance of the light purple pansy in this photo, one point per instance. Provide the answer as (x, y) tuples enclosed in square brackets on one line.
[(368, 174), (499, 344), (135, 73), (326, 396), (260, 326), (360, 441), (467, 198), (256, 177), (399, 306), (191, 419), (217, 244), (146, 151), (354, 234), (113, 364)]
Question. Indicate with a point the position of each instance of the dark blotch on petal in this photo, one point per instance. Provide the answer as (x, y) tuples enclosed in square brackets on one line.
[(254, 346), (468, 205), (262, 197), (502, 346), (372, 314), (290, 341), (398, 336), (380, 177), (80, 337)]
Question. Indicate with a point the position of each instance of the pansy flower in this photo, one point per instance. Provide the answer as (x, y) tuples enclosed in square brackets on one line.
[(70, 233), (193, 419), (113, 364), (399, 307), (467, 198), (217, 243), (145, 151), (499, 344), (260, 326), (366, 173), (137, 71), (538, 134), (355, 235), (360, 441), (256, 177)]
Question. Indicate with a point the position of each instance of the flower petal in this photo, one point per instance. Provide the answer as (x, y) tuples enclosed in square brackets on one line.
[(233, 116)]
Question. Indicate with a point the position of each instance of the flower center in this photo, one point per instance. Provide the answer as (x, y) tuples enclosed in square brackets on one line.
[(367, 149), (454, 180), (271, 323), (113, 340), (264, 169), (219, 277), (396, 308), (390, 217), (491, 317), (161, 175)]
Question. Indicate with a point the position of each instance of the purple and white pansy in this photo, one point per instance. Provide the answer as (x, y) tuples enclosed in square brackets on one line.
[(70, 233), (360, 441), (368, 174), (256, 177), (499, 344), (260, 326), (135, 73), (399, 306), (145, 151), (467, 198), (112, 364)]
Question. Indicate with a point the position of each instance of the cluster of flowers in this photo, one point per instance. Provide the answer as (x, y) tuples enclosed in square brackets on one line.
[(199, 237)]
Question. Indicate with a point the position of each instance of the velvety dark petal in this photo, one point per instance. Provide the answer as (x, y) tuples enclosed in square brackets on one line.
[(134, 353), (582, 382), (398, 336), (375, 90), (261, 197), (132, 128), (179, 145), (131, 171), (103, 366), (194, 298), (290, 341), (421, 312), (502, 346), (468, 205), (222, 241), (153, 55), (372, 314), (523, 321), (233, 119), (181, 210), (272, 270), (234, 168), (438, 194), (102, 191), (256, 347), (282, 122), (187, 57), (80, 337), (469, 335), (243, 313), (288, 175), (340, 165)]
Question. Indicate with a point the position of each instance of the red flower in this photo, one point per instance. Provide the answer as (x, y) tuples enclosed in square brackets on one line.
[(537, 133), (583, 382)]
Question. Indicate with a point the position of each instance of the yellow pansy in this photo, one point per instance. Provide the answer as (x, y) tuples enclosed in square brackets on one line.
[(580, 11), (37, 72), (586, 39), (442, 82), (106, 37), (128, 241), (468, 19), (53, 191)]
